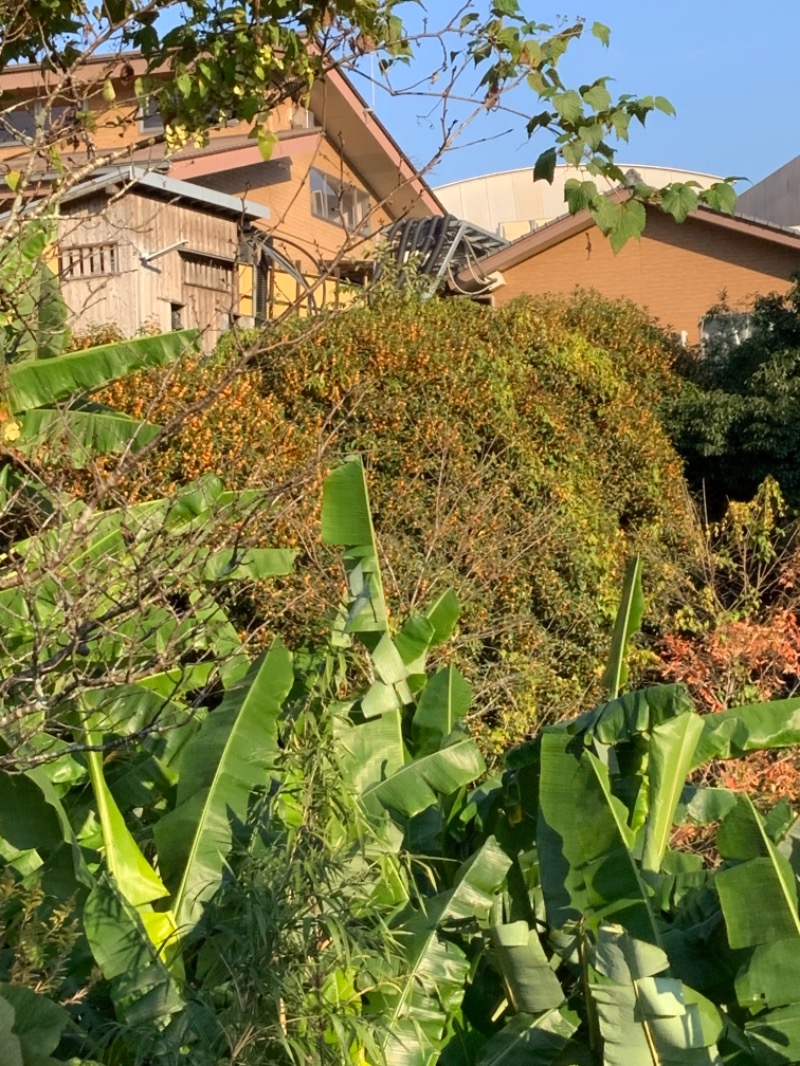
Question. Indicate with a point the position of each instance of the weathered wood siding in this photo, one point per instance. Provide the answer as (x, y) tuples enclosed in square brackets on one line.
[(197, 280)]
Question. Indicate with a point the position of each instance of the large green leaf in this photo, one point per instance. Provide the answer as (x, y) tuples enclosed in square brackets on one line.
[(347, 523), (10, 1046), (83, 433), (753, 727), (415, 1006), (585, 844), (646, 1018), (531, 985), (230, 755), (775, 1037), (759, 895), (419, 783), (128, 868), (38, 1025), (36, 383), (527, 1040), (442, 704), (672, 747), (252, 564), (629, 618), (142, 987)]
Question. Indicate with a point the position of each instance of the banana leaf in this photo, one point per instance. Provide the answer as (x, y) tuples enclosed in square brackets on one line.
[(753, 727), (671, 749), (414, 1008), (143, 989), (347, 523), (135, 878), (758, 895), (37, 1025), (230, 755), (419, 782), (526, 1040), (83, 432), (10, 1046), (585, 844), (628, 621), (252, 564), (646, 1018), (38, 382), (531, 985), (774, 1038), (442, 704)]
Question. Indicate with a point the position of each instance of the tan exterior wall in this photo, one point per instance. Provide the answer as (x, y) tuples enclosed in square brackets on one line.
[(283, 186), (676, 271)]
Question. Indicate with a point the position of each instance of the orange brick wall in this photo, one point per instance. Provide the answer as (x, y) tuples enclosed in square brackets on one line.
[(676, 271)]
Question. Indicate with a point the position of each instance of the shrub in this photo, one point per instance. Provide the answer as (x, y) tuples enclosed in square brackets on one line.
[(736, 422), (510, 455)]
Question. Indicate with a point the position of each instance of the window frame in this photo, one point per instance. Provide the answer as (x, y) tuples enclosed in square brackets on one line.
[(324, 188)]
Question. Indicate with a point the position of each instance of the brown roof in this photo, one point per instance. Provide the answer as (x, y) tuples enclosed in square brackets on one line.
[(348, 121), (561, 229)]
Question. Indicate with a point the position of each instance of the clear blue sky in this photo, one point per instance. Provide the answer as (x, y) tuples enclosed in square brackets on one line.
[(731, 69)]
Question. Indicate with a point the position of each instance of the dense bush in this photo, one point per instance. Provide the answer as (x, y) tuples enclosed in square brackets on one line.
[(513, 453), (736, 422)]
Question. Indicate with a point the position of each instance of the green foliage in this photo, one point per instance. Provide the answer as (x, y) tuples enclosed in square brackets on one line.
[(381, 905), (735, 422), (513, 454)]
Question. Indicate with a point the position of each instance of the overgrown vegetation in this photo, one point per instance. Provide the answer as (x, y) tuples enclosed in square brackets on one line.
[(511, 456), (736, 425), (336, 890)]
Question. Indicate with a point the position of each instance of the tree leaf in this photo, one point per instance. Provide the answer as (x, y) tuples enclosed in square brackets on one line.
[(545, 167), (569, 106), (603, 33), (679, 200)]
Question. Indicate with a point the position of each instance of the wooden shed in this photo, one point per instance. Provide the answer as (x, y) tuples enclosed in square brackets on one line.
[(145, 251)]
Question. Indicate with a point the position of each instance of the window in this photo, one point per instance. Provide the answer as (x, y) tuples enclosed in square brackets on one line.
[(338, 202), (15, 125), (207, 272), (88, 261), (150, 120), (19, 125)]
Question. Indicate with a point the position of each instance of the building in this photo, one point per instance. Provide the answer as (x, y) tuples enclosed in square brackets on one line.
[(775, 198), (511, 204), (676, 271), (277, 232)]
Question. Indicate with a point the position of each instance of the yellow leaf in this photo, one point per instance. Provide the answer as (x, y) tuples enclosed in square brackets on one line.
[(11, 431)]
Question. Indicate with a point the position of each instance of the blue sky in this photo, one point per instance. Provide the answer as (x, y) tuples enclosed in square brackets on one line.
[(731, 69)]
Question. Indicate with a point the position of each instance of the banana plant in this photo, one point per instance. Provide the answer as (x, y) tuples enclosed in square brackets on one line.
[(45, 392)]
